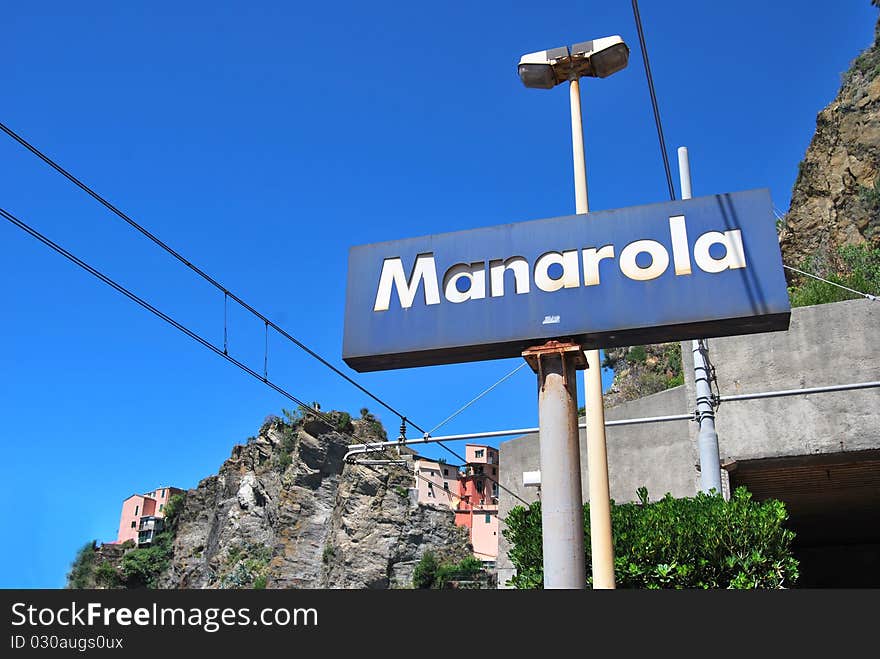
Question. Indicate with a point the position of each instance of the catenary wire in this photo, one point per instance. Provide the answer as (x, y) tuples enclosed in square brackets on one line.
[(170, 250), (833, 283), (471, 402), (635, 6), (190, 333)]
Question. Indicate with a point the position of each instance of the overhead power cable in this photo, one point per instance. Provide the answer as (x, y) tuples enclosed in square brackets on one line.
[(227, 295), (659, 124), (170, 250), (168, 319), (190, 333)]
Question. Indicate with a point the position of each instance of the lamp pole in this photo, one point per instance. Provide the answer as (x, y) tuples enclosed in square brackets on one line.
[(601, 546), (555, 364)]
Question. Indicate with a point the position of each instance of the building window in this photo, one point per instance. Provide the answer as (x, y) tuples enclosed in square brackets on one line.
[(163, 492), (494, 471), (488, 519), (478, 454), (479, 485), (161, 506), (133, 523), (479, 470), (445, 472), (136, 509), (446, 485)]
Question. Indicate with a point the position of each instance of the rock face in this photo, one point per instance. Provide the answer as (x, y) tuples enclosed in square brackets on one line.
[(642, 370), (836, 198), (285, 511)]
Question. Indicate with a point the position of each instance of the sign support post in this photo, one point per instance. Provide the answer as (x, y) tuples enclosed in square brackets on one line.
[(562, 518), (601, 547)]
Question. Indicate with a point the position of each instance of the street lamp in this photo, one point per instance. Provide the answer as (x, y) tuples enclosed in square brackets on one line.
[(545, 69), (598, 58)]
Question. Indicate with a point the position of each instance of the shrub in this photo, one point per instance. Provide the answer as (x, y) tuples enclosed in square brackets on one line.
[(431, 573), (106, 575), (854, 266), (469, 569), (82, 566), (425, 573), (698, 542), (141, 567)]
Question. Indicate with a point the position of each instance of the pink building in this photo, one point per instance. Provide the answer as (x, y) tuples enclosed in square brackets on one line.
[(140, 512), (436, 482), (471, 492)]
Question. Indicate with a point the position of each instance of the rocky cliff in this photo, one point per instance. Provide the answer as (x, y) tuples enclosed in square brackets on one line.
[(285, 511), (836, 197)]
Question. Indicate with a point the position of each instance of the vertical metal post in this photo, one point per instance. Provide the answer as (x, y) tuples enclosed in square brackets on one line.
[(707, 438), (562, 516), (601, 547)]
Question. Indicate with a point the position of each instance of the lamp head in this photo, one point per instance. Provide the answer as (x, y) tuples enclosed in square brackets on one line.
[(598, 58)]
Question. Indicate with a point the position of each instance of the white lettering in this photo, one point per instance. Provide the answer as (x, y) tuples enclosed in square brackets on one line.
[(475, 274), (659, 260), (392, 275), (516, 264), (591, 258), (570, 273), (734, 257), (472, 276), (681, 257)]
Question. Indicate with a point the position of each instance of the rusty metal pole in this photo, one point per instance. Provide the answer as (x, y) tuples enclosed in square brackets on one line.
[(562, 517), (601, 547)]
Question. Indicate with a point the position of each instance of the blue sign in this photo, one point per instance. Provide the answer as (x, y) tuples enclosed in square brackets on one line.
[(703, 267)]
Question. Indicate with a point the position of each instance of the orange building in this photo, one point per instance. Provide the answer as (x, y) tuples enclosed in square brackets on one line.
[(471, 491)]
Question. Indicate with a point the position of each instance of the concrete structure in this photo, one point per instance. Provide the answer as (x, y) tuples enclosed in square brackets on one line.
[(138, 507), (818, 453)]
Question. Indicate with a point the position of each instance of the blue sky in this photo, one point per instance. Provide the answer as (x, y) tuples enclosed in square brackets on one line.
[(263, 142)]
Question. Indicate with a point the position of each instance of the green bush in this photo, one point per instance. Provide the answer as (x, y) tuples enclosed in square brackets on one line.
[(431, 573), (698, 542), (82, 566), (106, 575), (854, 266), (425, 573), (468, 569), (141, 567)]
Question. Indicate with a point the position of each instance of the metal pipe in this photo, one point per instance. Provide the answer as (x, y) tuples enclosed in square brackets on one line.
[(562, 515), (357, 449), (798, 392), (707, 438)]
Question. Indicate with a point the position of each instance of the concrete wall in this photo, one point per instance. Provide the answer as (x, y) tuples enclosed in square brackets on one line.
[(826, 344)]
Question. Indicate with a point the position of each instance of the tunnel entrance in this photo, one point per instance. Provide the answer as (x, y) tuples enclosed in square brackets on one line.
[(833, 502)]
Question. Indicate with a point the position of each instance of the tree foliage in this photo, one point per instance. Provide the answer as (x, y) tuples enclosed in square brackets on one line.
[(81, 569), (698, 542), (434, 574)]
